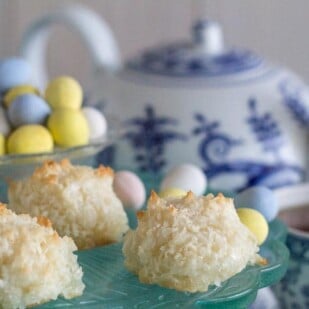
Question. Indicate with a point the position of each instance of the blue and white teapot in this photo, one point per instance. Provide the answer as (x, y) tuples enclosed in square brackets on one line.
[(231, 112)]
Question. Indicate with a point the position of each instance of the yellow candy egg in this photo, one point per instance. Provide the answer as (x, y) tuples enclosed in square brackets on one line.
[(68, 127), (64, 92), (14, 92), (255, 222), (172, 193), (30, 139), (2, 144)]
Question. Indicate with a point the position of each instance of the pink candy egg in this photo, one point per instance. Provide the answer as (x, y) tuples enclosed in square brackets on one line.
[(130, 189)]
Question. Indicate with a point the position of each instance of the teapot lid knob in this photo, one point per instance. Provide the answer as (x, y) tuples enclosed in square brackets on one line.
[(208, 35)]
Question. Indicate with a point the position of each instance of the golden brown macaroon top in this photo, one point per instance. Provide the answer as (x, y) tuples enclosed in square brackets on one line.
[(3, 209), (50, 170), (41, 220), (154, 199)]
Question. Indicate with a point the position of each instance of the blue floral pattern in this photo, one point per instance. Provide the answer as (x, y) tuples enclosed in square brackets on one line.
[(180, 60), (215, 147), (150, 134), (265, 129), (148, 137), (293, 98)]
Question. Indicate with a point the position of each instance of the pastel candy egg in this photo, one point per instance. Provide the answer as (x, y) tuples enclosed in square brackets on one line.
[(186, 177), (14, 72), (5, 127), (28, 109), (2, 144), (31, 138), (96, 122), (68, 127), (14, 92), (64, 92), (259, 198), (130, 189), (172, 193), (255, 222)]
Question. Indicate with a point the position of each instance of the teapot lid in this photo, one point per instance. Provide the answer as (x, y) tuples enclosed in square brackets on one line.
[(205, 56)]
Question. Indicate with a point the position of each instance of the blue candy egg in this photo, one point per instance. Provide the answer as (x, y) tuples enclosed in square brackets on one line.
[(28, 109), (259, 198), (14, 72)]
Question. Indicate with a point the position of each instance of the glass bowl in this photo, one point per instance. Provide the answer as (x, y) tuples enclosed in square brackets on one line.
[(110, 285), (18, 166)]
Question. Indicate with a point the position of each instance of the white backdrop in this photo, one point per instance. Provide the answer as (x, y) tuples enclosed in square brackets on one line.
[(277, 29)]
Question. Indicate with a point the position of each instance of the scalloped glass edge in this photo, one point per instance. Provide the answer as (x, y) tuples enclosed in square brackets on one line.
[(71, 152), (110, 285)]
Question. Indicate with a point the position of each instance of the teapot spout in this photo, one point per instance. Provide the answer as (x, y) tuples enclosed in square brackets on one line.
[(93, 30)]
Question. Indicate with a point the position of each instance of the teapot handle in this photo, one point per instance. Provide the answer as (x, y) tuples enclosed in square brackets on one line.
[(92, 29)]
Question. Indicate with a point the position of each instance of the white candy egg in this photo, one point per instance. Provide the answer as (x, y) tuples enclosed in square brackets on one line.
[(5, 127), (96, 122), (186, 177), (130, 189)]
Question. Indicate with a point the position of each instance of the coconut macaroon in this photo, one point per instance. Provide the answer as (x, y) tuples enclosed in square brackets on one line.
[(189, 243), (79, 200), (36, 265)]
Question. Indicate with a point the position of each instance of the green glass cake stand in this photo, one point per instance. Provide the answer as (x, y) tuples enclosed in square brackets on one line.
[(110, 285)]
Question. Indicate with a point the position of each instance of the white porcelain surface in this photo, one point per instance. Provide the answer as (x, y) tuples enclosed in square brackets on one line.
[(241, 119), (293, 196)]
